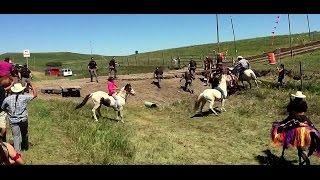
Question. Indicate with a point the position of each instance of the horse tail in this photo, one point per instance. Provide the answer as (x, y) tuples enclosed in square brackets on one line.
[(197, 103), (84, 101)]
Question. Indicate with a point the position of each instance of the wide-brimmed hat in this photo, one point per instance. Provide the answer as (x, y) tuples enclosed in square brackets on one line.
[(239, 57), (17, 88), (298, 95)]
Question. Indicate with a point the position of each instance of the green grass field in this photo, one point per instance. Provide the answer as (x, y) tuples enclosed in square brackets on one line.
[(146, 62), (162, 136), (168, 135)]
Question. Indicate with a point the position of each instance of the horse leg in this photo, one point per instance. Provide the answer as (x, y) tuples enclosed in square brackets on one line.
[(282, 154), (211, 107), (98, 111), (120, 114), (249, 84), (203, 102), (256, 83), (222, 105), (302, 155), (95, 107)]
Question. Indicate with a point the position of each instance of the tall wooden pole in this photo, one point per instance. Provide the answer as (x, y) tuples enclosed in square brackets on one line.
[(234, 38), (218, 33), (290, 36), (309, 27), (300, 76)]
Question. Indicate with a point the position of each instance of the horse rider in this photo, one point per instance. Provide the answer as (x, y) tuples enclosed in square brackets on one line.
[(158, 75), (241, 66), (112, 89), (221, 69), (220, 58), (112, 67), (192, 68), (297, 118)]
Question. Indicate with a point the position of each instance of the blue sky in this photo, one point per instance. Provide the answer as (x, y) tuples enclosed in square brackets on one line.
[(123, 34)]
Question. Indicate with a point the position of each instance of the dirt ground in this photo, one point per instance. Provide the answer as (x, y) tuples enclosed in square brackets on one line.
[(145, 91)]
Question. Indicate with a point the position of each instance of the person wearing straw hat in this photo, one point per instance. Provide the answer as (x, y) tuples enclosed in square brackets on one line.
[(16, 107), (242, 65)]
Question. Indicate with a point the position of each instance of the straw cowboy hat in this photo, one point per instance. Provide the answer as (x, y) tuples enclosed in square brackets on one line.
[(298, 95), (239, 57), (17, 88)]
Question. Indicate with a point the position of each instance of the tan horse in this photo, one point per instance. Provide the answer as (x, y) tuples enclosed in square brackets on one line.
[(211, 95), (102, 98)]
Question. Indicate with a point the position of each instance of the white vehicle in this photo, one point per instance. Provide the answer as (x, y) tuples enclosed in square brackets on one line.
[(66, 72)]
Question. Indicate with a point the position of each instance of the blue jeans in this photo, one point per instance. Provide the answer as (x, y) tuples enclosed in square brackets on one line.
[(20, 135)]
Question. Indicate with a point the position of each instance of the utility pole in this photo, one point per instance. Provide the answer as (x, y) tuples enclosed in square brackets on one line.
[(290, 36), (91, 48), (234, 38), (309, 27), (218, 33)]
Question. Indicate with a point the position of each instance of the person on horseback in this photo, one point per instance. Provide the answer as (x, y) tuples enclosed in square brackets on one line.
[(220, 58), (112, 89), (158, 75), (241, 66), (187, 76), (112, 67), (290, 128), (221, 69), (192, 68)]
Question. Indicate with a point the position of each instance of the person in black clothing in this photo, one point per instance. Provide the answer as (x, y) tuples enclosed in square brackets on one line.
[(192, 68), (15, 73), (158, 75), (281, 71), (188, 81), (112, 67), (92, 67), (25, 77)]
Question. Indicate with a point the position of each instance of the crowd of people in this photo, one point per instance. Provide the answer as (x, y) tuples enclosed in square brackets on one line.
[(15, 83)]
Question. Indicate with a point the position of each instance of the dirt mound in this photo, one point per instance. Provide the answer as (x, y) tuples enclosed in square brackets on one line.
[(169, 92)]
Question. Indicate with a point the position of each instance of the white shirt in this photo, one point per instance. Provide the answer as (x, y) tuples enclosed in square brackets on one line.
[(244, 63)]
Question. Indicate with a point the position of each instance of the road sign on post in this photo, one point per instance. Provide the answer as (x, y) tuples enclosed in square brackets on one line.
[(26, 54)]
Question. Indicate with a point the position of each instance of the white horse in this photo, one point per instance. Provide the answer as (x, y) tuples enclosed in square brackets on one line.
[(212, 95), (247, 75), (102, 98)]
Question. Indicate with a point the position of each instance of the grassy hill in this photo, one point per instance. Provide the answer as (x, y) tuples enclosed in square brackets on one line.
[(145, 62)]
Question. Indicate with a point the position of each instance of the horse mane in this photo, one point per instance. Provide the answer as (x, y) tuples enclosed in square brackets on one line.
[(127, 86)]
